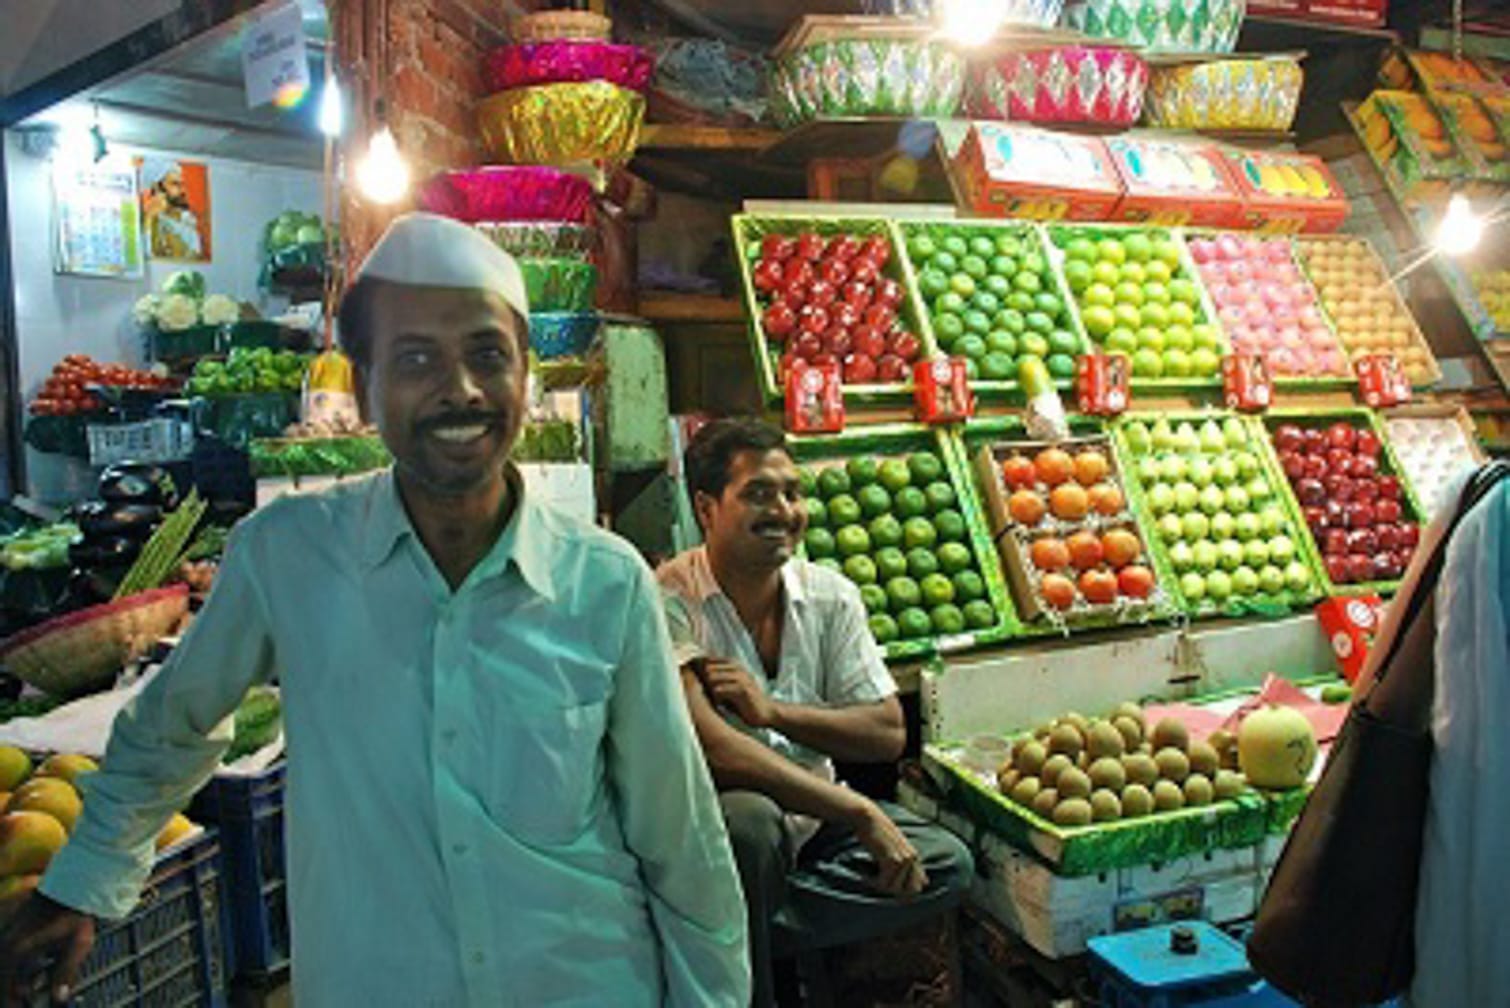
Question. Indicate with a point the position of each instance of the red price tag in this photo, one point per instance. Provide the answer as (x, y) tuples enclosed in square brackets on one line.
[(1381, 381), (1247, 383), (941, 389), (1102, 384), (814, 399)]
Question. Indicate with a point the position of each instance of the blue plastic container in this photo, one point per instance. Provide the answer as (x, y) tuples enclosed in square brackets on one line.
[(248, 812), (562, 334), (1139, 969)]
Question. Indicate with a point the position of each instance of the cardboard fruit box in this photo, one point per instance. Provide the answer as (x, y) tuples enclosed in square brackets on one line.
[(1173, 182), (1286, 193), (1006, 170)]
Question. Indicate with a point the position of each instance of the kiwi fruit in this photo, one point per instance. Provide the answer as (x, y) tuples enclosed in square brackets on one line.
[(1078, 720), (1045, 803), (1170, 734), (1042, 731), (1140, 769), (1137, 801), (1031, 756), (1228, 784), (1173, 765), (1104, 740), (1145, 747), (1066, 738), (1073, 812), (1198, 789), (1053, 767), (1026, 790), (1073, 783), (1108, 773), (1203, 759), (1225, 744), (1128, 709), (1130, 730), (1083, 761), (1006, 779), (1105, 805), (1167, 796)]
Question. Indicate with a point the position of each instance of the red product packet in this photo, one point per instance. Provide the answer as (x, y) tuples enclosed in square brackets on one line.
[(1326, 719), (941, 390), (1350, 625), (1247, 383), (1102, 384), (814, 399), (1382, 381)]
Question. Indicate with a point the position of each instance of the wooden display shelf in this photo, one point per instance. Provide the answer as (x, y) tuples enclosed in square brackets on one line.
[(1277, 28), (677, 136)]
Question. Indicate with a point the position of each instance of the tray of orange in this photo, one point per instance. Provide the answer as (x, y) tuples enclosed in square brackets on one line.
[(1071, 547)]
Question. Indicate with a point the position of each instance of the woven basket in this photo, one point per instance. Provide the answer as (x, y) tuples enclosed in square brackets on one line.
[(82, 651), (551, 26)]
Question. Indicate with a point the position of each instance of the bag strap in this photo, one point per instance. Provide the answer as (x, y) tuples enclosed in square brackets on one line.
[(1475, 490)]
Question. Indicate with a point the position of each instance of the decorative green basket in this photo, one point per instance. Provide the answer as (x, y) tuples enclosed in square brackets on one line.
[(1160, 26), (899, 441), (856, 78), (559, 285)]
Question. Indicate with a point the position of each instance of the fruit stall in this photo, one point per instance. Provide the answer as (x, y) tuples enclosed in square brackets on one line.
[(1117, 381)]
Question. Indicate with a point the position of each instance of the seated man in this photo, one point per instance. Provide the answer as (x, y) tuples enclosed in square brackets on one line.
[(782, 678)]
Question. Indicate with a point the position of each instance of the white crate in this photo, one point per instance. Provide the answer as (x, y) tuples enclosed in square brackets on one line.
[(156, 440)]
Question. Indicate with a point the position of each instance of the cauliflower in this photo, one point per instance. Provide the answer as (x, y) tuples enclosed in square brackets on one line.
[(219, 310), (177, 312), (144, 312)]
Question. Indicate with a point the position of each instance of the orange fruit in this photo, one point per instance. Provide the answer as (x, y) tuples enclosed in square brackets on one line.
[(1107, 499), (1091, 467), (1049, 554), (1019, 473), (1026, 508), (1085, 550), (1135, 581), (1054, 466), (1099, 586), (1057, 590), (1069, 502), (1121, 547)]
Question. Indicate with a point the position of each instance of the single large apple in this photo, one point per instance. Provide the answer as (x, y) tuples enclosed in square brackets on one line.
[(1276, 747)]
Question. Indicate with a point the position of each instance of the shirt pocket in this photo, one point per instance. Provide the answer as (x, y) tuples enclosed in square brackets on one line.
[(545, 774)]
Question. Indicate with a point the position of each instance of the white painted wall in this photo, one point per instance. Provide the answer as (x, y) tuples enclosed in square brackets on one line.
[(57, 315)]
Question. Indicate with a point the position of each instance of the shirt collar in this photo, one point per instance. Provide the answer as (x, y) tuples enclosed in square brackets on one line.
[(524, 541), (793, 584)]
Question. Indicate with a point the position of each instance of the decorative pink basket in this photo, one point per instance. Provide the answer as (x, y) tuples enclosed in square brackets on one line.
[(567, 61), (1063, 84), (508, 193)]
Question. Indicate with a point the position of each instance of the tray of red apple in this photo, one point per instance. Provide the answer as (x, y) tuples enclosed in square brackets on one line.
[(1351, 491)]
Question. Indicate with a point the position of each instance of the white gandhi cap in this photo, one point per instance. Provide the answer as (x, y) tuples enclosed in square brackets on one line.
[(427, 250)]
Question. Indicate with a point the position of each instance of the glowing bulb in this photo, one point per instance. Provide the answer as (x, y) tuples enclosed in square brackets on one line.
[(1461, 229), (382, 174), (971, 22), (331, 113)]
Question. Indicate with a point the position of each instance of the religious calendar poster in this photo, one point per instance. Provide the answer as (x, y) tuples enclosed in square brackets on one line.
[(97, 219)]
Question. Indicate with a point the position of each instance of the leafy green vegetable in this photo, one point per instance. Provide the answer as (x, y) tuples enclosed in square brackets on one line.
[(258, 720)]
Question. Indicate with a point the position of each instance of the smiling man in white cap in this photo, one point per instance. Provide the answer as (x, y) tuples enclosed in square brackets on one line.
[(494, 793)]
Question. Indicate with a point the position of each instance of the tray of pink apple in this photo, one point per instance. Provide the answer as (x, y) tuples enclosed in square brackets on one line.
[(1351, 491)]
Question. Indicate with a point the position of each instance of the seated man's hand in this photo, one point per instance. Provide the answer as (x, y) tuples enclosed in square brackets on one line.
[(898, 870), (729, 686)]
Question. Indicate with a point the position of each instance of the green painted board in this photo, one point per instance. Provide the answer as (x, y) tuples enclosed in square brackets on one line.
[(637, 428)]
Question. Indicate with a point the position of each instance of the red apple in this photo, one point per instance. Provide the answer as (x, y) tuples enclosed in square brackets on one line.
[(813, 319), (837, 341), (1340, 435), (1387, 566), (1410, 535), (877, 248), (1365, 490), (1366, 443), (889, 292), (1316, 519), (1388, 536), (906, 346), (807, 346), (778, 321), (1390, 511), (1360, 567), (865, 270), (798, 271), (1335, 542), (843, 247), (891, 368), (767, 275), (1315, 441), (1288, 437), (880, 316), (869, 341), (1365, 465), (1359, 514), (822, 293), (1338, 487), (1338, 460), (859, 369), (824, 357), (1293, 464), (844, 314), (835, 271), (1336, 514), (1337, 568), (1315, 466), (1389, 487), (857, 294), (810, 246), (1363, 540), (777, 247), (1310, 492)]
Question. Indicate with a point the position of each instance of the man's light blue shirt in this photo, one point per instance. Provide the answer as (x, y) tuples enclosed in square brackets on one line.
[(494, 795)]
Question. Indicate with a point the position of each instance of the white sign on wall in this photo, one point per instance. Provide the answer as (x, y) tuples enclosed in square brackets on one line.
[(274, 60)]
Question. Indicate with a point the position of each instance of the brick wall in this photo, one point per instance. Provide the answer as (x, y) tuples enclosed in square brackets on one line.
[(433, 52)]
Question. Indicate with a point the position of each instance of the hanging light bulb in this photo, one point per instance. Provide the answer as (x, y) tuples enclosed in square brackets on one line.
[(1461, 229), (971, 22), (382, 174), (331, 116)]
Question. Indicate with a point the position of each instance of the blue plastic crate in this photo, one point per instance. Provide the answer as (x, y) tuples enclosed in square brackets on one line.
[(248, 812), (170, 951)]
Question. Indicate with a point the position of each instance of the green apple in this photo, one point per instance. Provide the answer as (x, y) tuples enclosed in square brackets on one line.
[(1244, 581), (1163, 435), (1150, 338), (1122, 341), (1248, 526), (1133, 272), (1129, 293), (1205, 555), (1258, 489), (1223, 526), (1236, 435), (1174, 468), (1177, 334), (1201, 472), (1205, 361), (1281, 549), (1138, 437), (1274, 519), (1206, 336), (1297, 576), (1127, 315), (1147, 363), (1230, 554), (1181, 557), (1212, 499), (1196, 526), (1186, 496), (1149, 471), (1255, 552), (1161, 498), (1237, 499), (1170, 528), (1272, 580), (1211, 437), (1247, 464), (1225, 469), (1177, 363), (1193, 587), (1185, 438), (1218, 586)]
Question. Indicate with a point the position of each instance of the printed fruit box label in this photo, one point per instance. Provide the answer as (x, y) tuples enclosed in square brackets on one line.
[(1171, 183), (1017, 171)]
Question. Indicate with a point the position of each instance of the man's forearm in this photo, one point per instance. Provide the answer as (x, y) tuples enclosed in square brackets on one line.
[(865, 733)]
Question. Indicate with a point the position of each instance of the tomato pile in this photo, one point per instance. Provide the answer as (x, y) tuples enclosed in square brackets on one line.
[(65, 392), (827, 300)]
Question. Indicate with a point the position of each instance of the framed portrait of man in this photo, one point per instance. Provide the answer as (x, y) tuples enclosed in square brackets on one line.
[(175, 197)]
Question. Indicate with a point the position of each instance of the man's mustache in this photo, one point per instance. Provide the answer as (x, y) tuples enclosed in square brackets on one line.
[(466, 419)]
